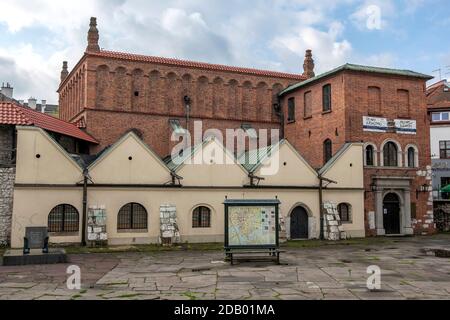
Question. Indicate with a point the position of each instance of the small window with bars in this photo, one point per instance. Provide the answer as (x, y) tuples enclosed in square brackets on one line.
[(132, 216), (291, 110), (344, 212), (326, 98), (63, 218), (201, 217)]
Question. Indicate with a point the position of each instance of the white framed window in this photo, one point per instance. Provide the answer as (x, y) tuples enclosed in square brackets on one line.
[(440, 116)]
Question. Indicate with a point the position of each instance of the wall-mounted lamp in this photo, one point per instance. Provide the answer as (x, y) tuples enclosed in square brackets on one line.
[(423, 188)]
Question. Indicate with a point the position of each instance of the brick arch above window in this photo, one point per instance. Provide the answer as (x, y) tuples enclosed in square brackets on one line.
[(411, 150), (374, 154), (399, 152)]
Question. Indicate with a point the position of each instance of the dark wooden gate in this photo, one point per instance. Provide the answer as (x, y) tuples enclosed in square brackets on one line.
[(299, 223), (391, 214)]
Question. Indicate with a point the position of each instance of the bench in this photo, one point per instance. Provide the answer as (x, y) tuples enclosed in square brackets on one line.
[(271, 254)]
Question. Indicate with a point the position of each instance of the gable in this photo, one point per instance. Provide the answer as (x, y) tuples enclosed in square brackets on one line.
[(212, 166), (287, 168), (346, 167), (41, 160), (129, 161)]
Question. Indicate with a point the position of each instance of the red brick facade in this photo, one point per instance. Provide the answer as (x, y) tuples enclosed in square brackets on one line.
[(358, 94), (115, 92)]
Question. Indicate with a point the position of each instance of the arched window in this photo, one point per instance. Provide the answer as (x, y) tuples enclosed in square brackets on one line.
[(344, 212), (132, 216), (411, 157), (390, 155), (370, 156), (327, 150), (201, 217), (63, 218)]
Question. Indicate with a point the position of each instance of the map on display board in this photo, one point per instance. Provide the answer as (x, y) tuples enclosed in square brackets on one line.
[(252, 225)]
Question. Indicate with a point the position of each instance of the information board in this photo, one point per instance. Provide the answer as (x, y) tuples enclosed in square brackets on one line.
[(251, 223)]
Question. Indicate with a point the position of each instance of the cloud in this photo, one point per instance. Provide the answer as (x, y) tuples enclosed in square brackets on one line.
[(328, 49), (262, 34)]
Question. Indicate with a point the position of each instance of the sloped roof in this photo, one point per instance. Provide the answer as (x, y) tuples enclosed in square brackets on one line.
[(14, 114), (252, 159), (194, 64), (333, 159), (359, 68)]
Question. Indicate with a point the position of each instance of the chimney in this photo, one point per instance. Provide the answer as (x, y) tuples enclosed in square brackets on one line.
[(93, 36), (32, 103), (64, 71), (308, 65), (43, 105), (7, 90)]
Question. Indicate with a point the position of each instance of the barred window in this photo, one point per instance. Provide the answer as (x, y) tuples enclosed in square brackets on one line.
[(344, 212), (370, 156), (201, 217), (327, 150), (132, 216), (291, 110), (390, 155), (412, 158), (63, 218), (326, 98)]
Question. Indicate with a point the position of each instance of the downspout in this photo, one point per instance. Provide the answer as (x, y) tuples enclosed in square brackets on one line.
[(321, 234), (279, 112), (84, 219)]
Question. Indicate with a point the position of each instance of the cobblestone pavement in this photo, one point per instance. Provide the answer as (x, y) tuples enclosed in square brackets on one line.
[(330, 272)]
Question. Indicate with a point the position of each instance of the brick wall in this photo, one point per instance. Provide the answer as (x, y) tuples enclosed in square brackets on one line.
[(155, 129), (352, 94), (6, 144), (143, 95)]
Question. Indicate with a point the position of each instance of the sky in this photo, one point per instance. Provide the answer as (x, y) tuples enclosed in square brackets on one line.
[(37, 35)]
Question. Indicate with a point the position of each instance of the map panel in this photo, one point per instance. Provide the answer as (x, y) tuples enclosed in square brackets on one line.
[(251, 226)]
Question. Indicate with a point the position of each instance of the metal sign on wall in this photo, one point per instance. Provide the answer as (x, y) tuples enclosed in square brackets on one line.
[(405, 126), (374, 124)]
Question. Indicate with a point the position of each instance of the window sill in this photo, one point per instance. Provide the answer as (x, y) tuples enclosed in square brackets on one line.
[(327, 112), (346, 222), (201, 227), (63, 234), (290, 121), (308, 117), (132, 231)]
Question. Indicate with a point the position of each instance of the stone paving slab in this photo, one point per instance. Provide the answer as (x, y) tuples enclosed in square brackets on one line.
[(336, 272)]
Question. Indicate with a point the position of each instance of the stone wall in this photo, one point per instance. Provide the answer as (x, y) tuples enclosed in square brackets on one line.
[(6, 144), (7, 177)]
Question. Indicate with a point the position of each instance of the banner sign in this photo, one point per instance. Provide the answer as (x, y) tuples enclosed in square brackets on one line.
[(374, 124), (406, 126)]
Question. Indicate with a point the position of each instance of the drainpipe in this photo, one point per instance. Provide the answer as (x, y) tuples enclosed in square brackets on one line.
[(321, 234), (84, 219), (279, 112)]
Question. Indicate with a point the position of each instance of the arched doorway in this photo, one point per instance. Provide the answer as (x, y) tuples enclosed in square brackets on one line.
[(299, 223), (391, 214)]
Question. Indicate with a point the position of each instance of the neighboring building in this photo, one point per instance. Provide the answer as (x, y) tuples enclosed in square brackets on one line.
[(386, 110), (438, 99), (12, 114), (44, 107), (134, 187), (7, 95), (123, 91)]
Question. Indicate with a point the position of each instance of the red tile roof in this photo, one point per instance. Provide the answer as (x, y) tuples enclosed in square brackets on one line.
[(193, 64), (14, 114)]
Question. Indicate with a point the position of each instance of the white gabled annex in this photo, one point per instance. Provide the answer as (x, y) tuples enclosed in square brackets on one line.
[(129, 161), (209, 164), (41, 160), (282, 165)]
